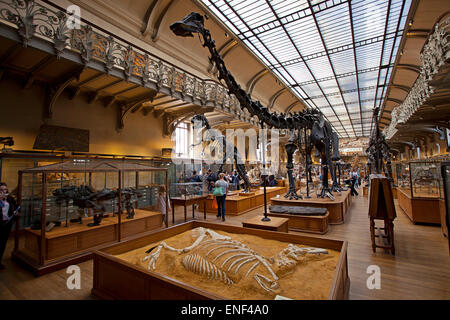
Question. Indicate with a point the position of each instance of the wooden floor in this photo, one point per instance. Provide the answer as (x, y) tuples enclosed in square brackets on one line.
[(420, 269)]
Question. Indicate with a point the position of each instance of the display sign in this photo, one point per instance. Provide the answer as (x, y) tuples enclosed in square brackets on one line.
[(351, 150), (62, 139)]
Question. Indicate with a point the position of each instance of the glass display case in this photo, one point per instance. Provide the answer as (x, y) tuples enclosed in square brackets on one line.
[(401, 175), (420, 179), (419, 190), (188, 190), (70, 207), (183, 173), (425, 179)]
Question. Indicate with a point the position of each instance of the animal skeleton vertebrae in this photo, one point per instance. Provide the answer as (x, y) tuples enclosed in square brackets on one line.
[(219, 258), (199, 265)]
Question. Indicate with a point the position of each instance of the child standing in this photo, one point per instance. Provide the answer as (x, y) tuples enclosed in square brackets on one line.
[(161, 204)]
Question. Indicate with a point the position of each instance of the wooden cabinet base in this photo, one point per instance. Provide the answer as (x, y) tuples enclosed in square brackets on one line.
[(310, 224), (236, 205), (337, 209), (247, 194), (66, 246), (115, 278), (419, 210), (366, 192), (278, 224)]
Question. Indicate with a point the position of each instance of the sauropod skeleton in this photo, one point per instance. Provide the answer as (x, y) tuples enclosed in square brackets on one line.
[(219, 258)]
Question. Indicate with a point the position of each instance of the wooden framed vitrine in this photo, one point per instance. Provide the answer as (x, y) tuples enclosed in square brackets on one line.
[(72, 207)]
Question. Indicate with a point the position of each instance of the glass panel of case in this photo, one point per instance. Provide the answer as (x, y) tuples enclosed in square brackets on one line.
[(188, 190), (425, 179), (79, 196), (402, 175)]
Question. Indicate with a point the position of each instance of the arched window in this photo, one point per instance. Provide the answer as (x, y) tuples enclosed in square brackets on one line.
[(183, 140)]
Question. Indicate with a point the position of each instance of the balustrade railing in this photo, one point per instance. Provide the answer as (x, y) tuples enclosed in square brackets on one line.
[(38, 19)]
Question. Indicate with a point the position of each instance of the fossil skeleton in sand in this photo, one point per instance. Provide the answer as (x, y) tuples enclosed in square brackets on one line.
[(219, 258)]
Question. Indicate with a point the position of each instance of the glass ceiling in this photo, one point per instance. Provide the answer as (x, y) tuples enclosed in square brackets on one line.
[(336, 55)]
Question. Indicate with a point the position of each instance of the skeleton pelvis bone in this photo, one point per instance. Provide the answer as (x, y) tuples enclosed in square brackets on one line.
[(219, 258)]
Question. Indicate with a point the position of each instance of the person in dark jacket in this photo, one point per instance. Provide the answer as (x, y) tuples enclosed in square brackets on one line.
[(221, 183), (195, 177), (211, 178), (272, 181), (351, 183), (235, 179), (8, 215)]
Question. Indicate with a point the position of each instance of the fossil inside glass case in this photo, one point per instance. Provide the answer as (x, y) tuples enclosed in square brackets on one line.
[(75, 205), (425, 179)]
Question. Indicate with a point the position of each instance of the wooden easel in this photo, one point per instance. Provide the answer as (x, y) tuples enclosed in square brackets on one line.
[(381, 207)]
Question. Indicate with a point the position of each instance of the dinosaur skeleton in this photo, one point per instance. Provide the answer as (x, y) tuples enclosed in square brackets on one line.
[(201, 121), (85, 197), (321, 134), (6, 141), (220, 258), (378, 152)]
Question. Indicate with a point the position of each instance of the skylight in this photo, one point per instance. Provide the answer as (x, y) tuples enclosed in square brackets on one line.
[(336, 55)]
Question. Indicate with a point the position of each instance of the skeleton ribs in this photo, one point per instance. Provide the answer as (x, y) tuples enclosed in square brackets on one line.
[(199, 265), (219, 258)]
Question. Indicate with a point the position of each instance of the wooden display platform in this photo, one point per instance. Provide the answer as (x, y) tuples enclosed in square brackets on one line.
[(310, 224), (381, 207), (275, 224), (337, 209), (236, 205), (283, 183), (186, 202), (394, 192), (78, 240), (366, 192), (118, 279), (246, 194), (419, 210)]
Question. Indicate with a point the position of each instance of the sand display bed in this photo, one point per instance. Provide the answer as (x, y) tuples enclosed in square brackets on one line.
[(310, 279)]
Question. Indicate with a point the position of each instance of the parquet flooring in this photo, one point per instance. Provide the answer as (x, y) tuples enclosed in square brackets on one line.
[(419, 270)]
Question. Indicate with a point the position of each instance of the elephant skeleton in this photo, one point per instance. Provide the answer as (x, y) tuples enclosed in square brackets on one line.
[(219, 258)]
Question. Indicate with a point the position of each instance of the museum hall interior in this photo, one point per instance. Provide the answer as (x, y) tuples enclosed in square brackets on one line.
[(224, 150)]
